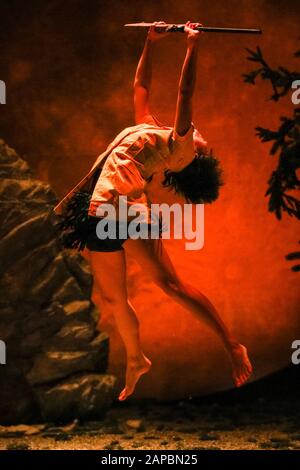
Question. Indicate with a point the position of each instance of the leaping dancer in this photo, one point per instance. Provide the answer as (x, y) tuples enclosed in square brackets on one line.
[(178, 156)]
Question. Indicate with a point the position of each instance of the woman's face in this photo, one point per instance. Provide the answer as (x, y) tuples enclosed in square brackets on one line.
[(200, 145)]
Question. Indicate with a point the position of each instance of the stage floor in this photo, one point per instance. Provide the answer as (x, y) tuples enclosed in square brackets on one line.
[(265, 415)]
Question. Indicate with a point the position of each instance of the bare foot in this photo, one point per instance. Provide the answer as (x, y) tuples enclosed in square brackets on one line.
[(134, 370), (242, 368)]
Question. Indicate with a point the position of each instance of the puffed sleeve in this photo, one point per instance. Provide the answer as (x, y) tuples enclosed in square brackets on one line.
[(182, 150)]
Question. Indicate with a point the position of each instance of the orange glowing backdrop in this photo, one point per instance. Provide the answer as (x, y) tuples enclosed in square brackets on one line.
[(69, 68)]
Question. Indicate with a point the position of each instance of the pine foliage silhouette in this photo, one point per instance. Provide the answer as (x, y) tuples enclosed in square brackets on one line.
[(283, 184)]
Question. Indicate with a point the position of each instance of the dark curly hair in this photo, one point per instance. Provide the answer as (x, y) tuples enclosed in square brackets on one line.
[(199, 182)]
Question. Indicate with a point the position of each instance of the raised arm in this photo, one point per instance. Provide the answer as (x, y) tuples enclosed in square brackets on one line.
[(142, 79), (183, 116)]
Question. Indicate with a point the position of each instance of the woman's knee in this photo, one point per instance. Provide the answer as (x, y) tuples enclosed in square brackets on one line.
[(110, 300)]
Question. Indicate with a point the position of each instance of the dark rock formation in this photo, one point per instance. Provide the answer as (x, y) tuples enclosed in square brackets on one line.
[(55, 357), (88, 395)]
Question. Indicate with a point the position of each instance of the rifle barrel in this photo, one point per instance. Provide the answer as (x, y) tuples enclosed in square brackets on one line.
[(174, 28)]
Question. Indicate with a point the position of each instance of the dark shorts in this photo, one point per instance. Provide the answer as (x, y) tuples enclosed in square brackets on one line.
[(94, 243), (108, 244)]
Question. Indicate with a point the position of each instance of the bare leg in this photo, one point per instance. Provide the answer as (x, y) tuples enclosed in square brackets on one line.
[(110, 273), (155, 261)]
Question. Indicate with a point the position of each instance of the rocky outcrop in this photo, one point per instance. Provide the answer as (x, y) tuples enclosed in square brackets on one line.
[(88, 395), (56, 358)]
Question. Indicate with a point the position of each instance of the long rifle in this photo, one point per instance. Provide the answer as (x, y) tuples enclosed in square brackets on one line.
[(179, 28)]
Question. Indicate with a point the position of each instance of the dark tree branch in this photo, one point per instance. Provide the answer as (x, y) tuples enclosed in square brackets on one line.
[(284, 183)]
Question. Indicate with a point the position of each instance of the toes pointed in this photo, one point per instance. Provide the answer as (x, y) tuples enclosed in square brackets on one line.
[(237, 381), (123, 395), (245, 378)]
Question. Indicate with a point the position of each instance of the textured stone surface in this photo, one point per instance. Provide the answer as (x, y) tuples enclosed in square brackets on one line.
[(86, 396), (46, 316)]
